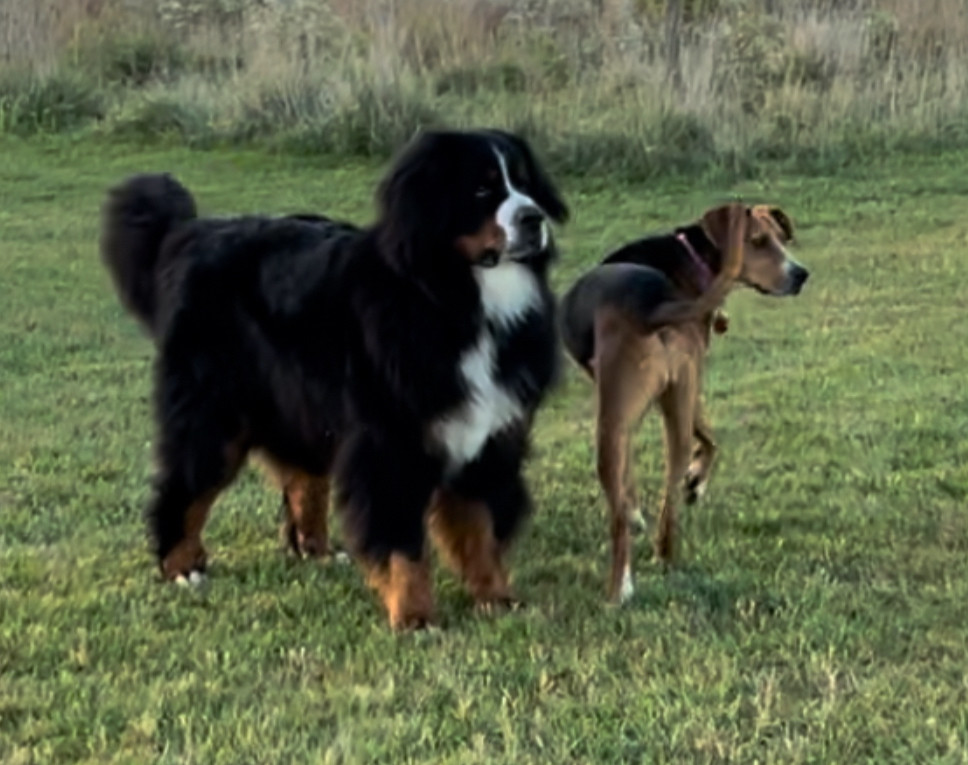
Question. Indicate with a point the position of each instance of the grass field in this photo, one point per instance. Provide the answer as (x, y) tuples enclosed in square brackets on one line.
[(820, 612)]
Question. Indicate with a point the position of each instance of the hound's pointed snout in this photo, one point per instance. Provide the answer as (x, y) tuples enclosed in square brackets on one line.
[(798, 277)]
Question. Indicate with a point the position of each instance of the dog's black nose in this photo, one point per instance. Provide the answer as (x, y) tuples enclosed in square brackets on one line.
[(530, 218), (798, 276)]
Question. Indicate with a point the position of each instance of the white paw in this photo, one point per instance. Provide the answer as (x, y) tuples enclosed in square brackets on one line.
[(627, 589), (694, 487), (700, 490), (341, 557), (194, 579), (637, 520)]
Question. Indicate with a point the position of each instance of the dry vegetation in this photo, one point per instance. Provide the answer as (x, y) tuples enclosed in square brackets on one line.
[(602, 84)]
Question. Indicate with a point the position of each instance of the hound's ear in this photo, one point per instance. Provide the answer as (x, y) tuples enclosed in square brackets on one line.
[(778, 217), (410, 231), (540, 186), (783, 221), (715, 224)]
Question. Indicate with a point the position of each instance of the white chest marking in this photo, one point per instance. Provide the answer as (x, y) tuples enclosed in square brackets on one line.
[(508, 292)]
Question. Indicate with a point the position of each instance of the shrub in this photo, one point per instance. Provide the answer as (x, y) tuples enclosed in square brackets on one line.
[(468, 80), (31, 103), (375, 120), (131, 60), (157, 117), (693, 11), (684, 139)]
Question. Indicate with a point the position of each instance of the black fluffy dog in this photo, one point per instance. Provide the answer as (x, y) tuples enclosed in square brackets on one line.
[(406, 360)]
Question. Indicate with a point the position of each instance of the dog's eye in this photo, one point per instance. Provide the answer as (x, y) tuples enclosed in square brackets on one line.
[(760, 240), (483, 192)]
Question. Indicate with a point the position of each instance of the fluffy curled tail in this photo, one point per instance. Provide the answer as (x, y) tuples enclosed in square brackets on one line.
[(137, 216)]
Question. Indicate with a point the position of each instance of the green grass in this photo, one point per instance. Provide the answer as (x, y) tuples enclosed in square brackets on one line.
[(819, 614)]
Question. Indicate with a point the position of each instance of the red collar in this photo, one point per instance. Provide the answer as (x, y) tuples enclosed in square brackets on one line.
[(705, 276)]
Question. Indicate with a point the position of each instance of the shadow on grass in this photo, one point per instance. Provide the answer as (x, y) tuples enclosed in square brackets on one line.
[(785, 526), (712, 595), (574, 588)]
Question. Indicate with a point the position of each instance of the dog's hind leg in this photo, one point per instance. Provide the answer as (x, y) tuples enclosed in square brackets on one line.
[(305, 499), (201, 446), (677, 403), (703, 456), (177, 519), (190, 479), (629, 376)]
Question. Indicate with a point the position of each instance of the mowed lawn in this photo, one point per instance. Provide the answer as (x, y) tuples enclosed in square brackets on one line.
[(819, 612)]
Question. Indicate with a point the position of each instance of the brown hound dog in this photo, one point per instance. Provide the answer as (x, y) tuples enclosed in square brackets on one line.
[(640, 323)]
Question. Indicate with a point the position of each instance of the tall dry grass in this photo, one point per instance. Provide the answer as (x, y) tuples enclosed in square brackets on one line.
[(602, 84)]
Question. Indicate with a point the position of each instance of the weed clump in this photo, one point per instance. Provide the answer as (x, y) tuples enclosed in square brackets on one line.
[(34, 103)]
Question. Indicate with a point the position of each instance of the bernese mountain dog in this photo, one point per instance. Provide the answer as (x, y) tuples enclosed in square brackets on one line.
[(404, 360)]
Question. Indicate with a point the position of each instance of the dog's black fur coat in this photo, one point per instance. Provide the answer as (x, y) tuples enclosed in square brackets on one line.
[(330, 347)]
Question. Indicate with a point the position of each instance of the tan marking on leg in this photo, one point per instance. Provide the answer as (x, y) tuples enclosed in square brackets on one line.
[(405, 587), (304, 530), (307, 510), (463, 532), (189, 554)]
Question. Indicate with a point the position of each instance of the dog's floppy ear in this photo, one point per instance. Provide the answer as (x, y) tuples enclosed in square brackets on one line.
[(779, 217), (412, 214), (715, 224), (783, 221), (540, 186)]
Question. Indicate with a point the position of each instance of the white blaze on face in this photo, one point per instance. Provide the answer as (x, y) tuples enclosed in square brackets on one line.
[(507, 213)]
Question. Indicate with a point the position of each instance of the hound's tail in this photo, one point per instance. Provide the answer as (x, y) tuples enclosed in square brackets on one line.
[(682, 311)]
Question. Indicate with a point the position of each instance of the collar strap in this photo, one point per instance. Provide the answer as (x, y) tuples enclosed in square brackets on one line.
[(703, 274)]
